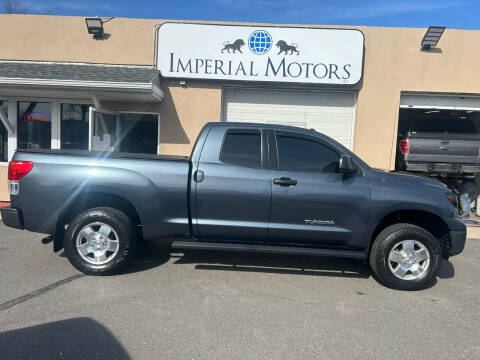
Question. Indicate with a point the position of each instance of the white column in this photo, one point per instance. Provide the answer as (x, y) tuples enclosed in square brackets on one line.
[(158, 142), (56, 115), (12, 135)]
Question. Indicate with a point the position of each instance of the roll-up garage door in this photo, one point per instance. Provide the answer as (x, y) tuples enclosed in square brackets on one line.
[(331, 113)]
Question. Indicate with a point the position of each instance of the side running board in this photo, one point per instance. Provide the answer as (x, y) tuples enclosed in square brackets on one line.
[(269, 249)]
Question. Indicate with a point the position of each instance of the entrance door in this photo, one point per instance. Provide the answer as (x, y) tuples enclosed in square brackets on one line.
[(312, 203), (104, 130)]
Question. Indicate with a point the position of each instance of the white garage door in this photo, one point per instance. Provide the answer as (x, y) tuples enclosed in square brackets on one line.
[(331, 113)]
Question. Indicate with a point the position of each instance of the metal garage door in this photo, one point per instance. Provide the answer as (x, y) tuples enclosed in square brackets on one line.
[(331, 113), (442, 102)]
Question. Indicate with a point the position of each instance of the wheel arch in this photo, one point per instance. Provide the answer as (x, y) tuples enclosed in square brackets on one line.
[(431, 222), (89, 200)]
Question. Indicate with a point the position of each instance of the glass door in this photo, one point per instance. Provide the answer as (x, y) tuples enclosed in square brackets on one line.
[(104, 130)]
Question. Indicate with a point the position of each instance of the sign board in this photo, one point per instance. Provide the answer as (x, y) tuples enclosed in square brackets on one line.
[(260, 53)]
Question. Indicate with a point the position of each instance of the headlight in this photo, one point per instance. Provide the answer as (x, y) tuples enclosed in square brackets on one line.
[(452, 198)]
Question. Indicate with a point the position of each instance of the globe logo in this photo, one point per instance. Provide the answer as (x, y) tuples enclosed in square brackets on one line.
[(260, 42)]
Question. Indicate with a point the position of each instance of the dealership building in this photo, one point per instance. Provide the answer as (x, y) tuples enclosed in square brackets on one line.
[(149, 86)]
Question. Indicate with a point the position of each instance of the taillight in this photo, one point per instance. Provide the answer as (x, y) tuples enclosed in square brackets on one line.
[(404, 146), (18, 169)]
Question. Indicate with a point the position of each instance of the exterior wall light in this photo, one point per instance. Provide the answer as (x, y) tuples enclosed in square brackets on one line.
[(432, 36), (95, 26)]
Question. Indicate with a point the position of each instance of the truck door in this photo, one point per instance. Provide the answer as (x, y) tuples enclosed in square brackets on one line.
[(232, 186), (312, 203)]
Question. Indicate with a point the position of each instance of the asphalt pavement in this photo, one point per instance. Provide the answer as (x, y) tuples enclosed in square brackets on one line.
[(203, 305)]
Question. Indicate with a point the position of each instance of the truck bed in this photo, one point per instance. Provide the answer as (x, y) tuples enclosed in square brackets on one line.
[(102, 154), (155, 185)]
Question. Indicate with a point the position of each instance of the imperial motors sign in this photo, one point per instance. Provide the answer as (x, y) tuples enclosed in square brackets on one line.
[(260, 53)]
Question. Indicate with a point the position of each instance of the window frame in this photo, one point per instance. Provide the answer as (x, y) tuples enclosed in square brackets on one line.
[(263, 147), (93, 109)]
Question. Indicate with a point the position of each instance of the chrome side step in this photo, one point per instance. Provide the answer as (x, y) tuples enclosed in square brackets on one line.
[(269, 249)]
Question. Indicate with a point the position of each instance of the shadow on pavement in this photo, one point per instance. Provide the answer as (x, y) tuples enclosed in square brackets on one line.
[(148, 255), (79, 338), (277, 264)]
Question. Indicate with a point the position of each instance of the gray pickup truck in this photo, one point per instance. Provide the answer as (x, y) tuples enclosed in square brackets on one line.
[(246, 187), (441, 154)]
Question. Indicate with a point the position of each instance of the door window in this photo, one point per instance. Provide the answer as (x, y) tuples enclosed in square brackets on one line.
[(74, 126), (243, 148), (303, 154), (34, 125)]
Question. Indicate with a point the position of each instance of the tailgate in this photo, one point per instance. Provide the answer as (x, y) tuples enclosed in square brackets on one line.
[(452, 149)]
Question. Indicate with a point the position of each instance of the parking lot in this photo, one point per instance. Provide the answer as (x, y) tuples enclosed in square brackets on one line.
[(202, 305)]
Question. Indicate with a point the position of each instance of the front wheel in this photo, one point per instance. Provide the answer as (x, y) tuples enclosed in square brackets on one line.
[(406, 257), (100, 241)]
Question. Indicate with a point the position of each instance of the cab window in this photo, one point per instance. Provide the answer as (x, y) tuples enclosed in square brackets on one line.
[(242, 148), (297, 153)]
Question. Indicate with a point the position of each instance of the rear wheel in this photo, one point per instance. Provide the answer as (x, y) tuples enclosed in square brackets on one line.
[(100, 241), (406, 257)]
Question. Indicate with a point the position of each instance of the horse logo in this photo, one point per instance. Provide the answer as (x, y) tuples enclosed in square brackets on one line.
[(237, 44), (285, 48)]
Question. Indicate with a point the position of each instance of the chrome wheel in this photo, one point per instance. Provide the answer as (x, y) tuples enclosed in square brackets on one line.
[(409, 260), (97, 243)]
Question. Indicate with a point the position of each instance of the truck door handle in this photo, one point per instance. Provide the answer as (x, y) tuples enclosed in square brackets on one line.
[(285, 181)]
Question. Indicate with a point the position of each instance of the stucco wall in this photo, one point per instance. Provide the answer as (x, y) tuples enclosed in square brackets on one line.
[(393, 63)]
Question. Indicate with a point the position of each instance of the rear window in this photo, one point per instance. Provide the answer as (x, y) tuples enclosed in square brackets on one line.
[(242, 148)]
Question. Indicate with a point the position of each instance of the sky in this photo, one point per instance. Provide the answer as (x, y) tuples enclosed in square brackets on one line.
[(460, 14)]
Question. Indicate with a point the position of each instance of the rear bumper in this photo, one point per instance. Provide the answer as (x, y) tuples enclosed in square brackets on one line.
[(442, 168), (12, 217)]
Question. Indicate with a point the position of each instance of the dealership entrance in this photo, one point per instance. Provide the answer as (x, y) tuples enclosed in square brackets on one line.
[(329, 112)]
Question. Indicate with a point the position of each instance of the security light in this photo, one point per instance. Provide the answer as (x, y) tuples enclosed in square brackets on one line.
[(94, 26), (432, 36)]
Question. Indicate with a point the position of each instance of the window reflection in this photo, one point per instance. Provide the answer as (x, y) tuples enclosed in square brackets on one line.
[(34, 125), (74, 126)]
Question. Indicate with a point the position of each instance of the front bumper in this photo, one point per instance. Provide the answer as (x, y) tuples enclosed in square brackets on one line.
[(454, 243), (457, 242), (12, 217)]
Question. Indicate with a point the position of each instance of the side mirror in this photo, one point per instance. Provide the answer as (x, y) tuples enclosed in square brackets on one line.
[(345, 165)]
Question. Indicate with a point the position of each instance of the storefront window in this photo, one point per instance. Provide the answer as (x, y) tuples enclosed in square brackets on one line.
[(74, 126), (3, 132), (34, 125), (131, 133), (139, 133)]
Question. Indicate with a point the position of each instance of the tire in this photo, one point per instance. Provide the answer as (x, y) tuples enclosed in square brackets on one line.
[(417, 254), (100, 241)]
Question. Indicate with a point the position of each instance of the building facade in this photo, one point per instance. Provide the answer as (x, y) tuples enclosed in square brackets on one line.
[(149, 86)]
